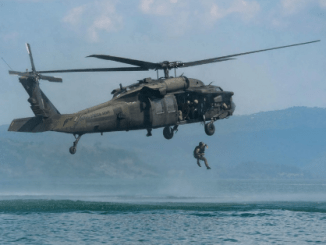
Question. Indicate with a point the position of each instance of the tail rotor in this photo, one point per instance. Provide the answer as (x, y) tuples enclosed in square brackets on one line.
[(34, 74)]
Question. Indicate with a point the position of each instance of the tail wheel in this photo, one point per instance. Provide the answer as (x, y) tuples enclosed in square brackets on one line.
[(72, 150), (209, 128), (168, 133)]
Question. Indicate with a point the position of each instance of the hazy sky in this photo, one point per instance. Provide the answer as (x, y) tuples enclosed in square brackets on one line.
[(63, 33)]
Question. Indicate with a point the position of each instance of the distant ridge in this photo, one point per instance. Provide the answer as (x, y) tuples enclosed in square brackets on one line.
[(288, 143)]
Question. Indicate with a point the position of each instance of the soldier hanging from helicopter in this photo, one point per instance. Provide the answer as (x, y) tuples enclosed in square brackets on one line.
[(199, 153)]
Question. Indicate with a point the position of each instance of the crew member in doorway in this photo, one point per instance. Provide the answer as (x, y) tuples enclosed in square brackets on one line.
[(199, 153), (193, 109)]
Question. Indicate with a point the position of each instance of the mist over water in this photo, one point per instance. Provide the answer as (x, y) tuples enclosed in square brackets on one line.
[(167, 189)]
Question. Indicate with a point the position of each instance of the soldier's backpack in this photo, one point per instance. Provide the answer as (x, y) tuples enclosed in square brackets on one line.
[(196, 155)]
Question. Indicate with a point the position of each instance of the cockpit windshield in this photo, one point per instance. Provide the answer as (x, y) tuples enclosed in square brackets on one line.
[(123, 90), (218, 89), (117, 94)]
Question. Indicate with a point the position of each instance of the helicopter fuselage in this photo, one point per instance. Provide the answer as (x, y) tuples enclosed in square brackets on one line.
[(150, 104)]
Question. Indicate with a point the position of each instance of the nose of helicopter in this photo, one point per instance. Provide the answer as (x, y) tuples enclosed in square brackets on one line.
[(232, 107)]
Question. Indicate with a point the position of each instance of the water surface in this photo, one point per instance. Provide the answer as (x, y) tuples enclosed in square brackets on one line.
[(236, 212)]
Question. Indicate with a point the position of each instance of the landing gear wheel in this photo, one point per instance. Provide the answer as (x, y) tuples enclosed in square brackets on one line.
[(72, 150), (209, 128), (168, 133)]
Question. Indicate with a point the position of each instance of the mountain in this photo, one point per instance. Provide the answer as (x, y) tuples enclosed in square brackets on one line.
[(21, 159), (282, 144)]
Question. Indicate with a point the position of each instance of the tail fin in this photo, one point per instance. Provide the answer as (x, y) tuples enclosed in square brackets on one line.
[(40, 104)]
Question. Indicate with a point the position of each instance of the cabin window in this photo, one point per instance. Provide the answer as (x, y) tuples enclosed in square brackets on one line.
[(159, 106), (170, 104)]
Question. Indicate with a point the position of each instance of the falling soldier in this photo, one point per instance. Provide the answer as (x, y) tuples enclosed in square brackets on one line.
[(199, 153)]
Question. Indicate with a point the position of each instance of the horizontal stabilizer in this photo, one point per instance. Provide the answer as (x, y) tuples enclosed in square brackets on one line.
[(29, 124)]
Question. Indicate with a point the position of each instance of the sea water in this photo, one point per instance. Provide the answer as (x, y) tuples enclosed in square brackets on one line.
[(240, 212)]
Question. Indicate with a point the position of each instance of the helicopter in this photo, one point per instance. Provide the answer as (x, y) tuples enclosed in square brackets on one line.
[(166, 102)]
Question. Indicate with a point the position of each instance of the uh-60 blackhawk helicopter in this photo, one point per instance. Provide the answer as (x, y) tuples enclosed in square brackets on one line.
[(151, 103)]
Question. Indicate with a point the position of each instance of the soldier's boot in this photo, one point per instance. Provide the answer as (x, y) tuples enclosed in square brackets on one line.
[(149, 132), (198, 162), (206, 163)]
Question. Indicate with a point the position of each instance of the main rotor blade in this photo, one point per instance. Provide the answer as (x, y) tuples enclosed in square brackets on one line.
[(98, 70), (202, 62), (29, 50), (145, 64), (227, 57)]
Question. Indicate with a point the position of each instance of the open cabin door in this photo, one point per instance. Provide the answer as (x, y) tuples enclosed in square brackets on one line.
[(164, 111)]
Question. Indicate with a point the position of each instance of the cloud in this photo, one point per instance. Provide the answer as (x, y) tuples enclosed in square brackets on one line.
[(98, 16), (179, 14), (157, 7), (283, 14), (74, 15), (10, 36), (322, 3), (294, 6), (247, 9), (184, 15), (145, 5), (103, 23), (108, 20)]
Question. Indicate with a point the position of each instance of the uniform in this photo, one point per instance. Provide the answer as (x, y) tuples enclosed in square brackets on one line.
[(199, 153)]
